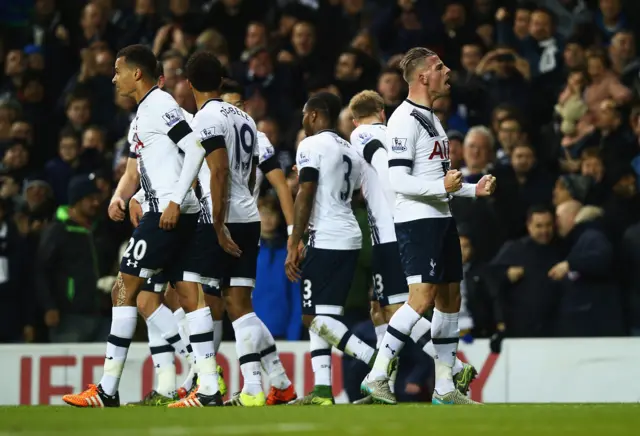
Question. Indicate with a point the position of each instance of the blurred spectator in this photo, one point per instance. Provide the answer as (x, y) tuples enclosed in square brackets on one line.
[(603, 83), (610, 19), (529, 298), (273, 289), (391, 86), (456, 140), (571, 187), (14, 67), (478, 153), (67, 269), (591, 300), (523, 184), (184, 97)]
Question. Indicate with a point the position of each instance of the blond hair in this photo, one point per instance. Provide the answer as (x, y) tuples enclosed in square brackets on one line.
[(366, 103), (413, 59)]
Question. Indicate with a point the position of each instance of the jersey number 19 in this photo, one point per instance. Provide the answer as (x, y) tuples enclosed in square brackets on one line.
[(247, 145)]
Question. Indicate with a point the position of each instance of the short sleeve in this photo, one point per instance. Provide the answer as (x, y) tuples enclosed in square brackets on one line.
[(307, 156), (401, 141), (264, 149), (210, 130), (169, 119)]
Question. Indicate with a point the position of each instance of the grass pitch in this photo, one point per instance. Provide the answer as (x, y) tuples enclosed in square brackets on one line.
[(402, 420)]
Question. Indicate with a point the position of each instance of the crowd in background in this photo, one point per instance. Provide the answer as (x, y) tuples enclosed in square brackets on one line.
[(545, 96)]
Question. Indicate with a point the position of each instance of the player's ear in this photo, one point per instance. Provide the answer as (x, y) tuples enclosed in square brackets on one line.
[(190, 86)]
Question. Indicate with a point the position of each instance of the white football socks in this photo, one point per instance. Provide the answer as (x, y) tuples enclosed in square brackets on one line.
[(123, 326), (201, 329), (248, 330), (320, 359), (445, 334), (338, 335), (163, 361), (271, 361), (400, 326)]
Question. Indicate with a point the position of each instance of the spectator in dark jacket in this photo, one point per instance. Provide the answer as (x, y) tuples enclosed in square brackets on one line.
[(631, 275), (67, 268), (529, 297), (276, 300), (590, 304)]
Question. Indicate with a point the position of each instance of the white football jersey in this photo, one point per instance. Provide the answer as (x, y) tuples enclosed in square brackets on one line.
[(417, 140), (267, 161), (332, 224), (238, 130), (158, 156), (376, 189)]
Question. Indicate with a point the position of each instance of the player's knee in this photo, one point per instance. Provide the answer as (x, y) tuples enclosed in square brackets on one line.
[(377, 315), (390, 310), (147, 303), (188, 293), (237, 302), (216, 305), (422, 296)]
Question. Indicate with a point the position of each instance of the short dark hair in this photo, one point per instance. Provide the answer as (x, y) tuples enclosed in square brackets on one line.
[(141, 57), (77, 95), (68, 132), (391, 70), (360, 56), (231, 87), (538, 208), (204, 71), (328, 103)]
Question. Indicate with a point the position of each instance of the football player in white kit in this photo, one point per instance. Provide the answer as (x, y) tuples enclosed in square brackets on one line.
[(166, 320), (390, 290), (329, 171), (427, 236), (229, 136), (165, 234)]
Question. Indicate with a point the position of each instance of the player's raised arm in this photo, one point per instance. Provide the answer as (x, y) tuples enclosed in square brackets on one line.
[(126, 187), (401, 139)]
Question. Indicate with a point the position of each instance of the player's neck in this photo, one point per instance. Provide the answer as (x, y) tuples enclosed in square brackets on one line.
[(420, 98), (142, 90), (203, 97), (374, 119)]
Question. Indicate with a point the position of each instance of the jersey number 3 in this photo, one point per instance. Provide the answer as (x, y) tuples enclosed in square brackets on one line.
[(346, 191)]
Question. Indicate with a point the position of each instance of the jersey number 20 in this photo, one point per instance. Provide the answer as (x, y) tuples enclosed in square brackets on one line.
[(346, 185)]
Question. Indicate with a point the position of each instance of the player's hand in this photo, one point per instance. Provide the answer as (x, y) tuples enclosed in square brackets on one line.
[(116, 209), (170, 216), (135, 212), (559, 271), (486, 186), (291, 265), (226, 242), (52, 318), (453, 180), (515, 273)]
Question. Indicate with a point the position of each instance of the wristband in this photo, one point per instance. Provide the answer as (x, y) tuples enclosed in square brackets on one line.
[(289, 230)]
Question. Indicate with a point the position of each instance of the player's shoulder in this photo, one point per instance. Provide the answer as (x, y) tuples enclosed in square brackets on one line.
[(366, 133), (161, 104), (187, 115), (310, 142), (399, 115)]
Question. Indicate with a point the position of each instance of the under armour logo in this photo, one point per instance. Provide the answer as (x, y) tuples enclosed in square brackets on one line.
[(433, 268), (132, 263), (393, 352), (306, 303)]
